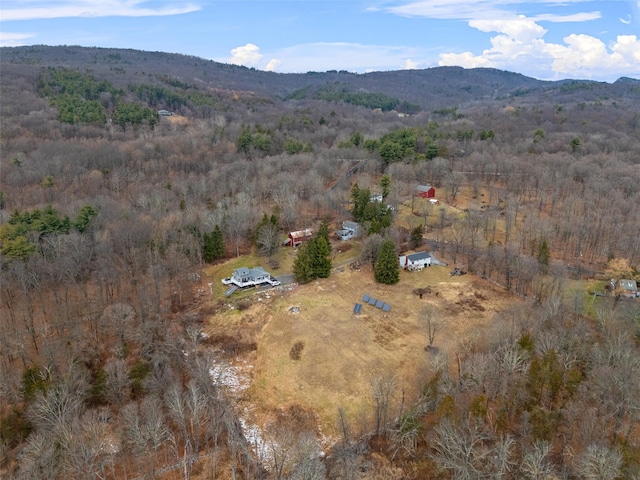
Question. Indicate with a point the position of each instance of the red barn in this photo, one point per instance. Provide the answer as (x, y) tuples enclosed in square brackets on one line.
[(425, 191), (296, 238)]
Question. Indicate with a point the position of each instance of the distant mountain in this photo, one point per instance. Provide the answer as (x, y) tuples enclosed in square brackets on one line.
[(428, 89)]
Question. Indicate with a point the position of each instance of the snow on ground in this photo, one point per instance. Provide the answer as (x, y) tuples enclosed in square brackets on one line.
[(236, 381), (229, 376)]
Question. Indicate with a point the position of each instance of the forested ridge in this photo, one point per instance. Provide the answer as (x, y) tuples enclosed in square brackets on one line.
[(109, 212)]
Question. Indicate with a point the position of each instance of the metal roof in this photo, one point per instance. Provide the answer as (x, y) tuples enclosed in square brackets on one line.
[(418, 256)]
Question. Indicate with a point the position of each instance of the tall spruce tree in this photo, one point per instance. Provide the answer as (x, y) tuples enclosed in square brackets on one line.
[(213, 245), (323, 232), (312, 260), (319, 253), (219, 247), (387, 268), (302, 266)]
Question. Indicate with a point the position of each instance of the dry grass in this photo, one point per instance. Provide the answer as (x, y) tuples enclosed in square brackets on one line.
[(343, 352)]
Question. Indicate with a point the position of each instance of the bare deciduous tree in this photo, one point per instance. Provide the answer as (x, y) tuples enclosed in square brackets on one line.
[(268, 240), (145, 427), (536, 464), (40, 458), (432, 322), (55, 410), (599, 463), (382, 389), (117, 384), (469, 452)]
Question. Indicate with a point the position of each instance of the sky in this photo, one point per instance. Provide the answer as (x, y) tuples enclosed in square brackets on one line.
[(544, 39)]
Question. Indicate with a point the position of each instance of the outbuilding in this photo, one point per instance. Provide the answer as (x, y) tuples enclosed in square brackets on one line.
[(415, 261), (425, 191), (295, 239)]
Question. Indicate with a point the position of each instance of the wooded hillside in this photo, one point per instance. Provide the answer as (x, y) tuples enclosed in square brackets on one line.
[(109, 212)]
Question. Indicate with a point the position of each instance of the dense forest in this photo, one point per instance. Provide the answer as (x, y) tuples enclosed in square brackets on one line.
[(109, 211)]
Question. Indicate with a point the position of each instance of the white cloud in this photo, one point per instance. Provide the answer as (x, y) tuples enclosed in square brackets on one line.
[(45, 9), (576, 17), (628, 48), (410, 64), (273, 65), (9, 39), (520, 46), (627, 20), (519, 43), (465, 59), (521, 29), (451, 9), (247, 55), (486, 9)]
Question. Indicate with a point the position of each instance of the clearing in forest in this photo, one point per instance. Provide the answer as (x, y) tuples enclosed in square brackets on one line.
[(313, 354)]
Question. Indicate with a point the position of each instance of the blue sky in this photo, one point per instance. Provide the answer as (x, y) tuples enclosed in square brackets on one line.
[(545, 39)]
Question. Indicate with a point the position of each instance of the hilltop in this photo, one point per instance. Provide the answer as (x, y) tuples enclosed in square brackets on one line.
[(425, 89)]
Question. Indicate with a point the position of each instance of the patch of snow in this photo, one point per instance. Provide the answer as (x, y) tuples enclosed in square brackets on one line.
[(233, 378), (228, 376), (253, 435)]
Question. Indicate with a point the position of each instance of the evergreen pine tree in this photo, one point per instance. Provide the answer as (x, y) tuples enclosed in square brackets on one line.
[(360, 199), (416, 237), (387, 268), (218, 245), (207, 248), (275, 221), (543, 253), (312, 261), (302, 266), (320, 261), (323, 232), (385, 185)]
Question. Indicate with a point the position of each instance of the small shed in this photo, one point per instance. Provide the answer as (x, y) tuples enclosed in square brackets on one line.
[(415, 261), (425, 191), (296, 239)]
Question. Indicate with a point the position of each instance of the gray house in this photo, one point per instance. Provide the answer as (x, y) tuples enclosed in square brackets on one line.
[(250, 277), (349, 230)]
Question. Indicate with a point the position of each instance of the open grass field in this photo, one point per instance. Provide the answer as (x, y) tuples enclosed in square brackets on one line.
[(313, 354)]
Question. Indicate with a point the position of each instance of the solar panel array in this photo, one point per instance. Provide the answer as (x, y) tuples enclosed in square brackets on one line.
[(385, 307), (357, 308)]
